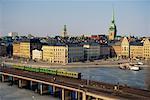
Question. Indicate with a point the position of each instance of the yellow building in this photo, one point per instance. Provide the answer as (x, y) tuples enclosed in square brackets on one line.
[(24, 48), (125, 48), (136, 51), (146, 49), (16, 49), (62, 54)]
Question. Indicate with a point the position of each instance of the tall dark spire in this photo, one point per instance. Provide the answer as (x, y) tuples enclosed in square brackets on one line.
[(112, 28), (113, 16), (65, 28), (64, 33)]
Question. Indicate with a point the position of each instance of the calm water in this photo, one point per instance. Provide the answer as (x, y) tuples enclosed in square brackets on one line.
[(138, 79)]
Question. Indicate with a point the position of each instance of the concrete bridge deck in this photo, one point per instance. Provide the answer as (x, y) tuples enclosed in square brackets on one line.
[(94, 90)]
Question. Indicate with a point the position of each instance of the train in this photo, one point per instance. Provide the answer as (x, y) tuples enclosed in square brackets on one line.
[(58, 72)]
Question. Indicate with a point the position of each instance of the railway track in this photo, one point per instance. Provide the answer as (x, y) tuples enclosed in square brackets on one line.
[(94, 86)]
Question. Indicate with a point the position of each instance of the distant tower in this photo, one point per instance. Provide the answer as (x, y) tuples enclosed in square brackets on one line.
[(112, 28), (64, 33)]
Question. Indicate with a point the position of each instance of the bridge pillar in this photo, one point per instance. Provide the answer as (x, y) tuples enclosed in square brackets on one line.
[(12, 80), (63, 94), (78, 95), (31, 85), (83, 96), (20, 83), (96, 98), (54, 89), (3, 78), (41, 89)]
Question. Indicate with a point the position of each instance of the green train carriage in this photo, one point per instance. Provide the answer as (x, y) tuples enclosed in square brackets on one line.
[(50, 71), (69, 74)]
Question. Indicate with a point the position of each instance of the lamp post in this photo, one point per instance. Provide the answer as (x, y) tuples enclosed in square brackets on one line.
[(88, 80)]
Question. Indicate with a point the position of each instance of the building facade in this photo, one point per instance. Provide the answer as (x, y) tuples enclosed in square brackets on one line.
[(75, 53), (37, 54), (136, 49), (62, 54), (125, 48), (91, 51), (16, 49), (3, 50), (104, 51), (24, 48), (146, 49), (115, 51)]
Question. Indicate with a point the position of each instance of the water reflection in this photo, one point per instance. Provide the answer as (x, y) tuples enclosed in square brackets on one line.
[(147, 79), (138, 79)]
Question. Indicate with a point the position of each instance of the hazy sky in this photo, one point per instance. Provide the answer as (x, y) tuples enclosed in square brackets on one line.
[(47, 17)]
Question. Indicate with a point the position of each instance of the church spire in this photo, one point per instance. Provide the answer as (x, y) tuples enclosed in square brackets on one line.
[(64, 33), (113, 16), (112, 28), (65, 28)]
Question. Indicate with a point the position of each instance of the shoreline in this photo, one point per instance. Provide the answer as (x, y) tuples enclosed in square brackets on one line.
[(71, 65)]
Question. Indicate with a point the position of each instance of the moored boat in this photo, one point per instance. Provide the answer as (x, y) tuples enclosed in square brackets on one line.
[(129, 66)]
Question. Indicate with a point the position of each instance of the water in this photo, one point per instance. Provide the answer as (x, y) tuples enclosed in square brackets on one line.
[(15, 93), (138, 79)]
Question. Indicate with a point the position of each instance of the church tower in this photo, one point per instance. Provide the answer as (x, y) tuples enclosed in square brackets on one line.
[(112, 28), (64, 33)]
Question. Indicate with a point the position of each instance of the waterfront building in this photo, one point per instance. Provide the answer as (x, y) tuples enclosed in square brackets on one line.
[(146, 48), (136, 49), (125, 48), (8, 41), (24, 48), (55, 54), (37, 54), (91, 51), (75, 53), (3, 51), (112, 29), (62, 54), (115, 49), (16, 49), (104, 51)]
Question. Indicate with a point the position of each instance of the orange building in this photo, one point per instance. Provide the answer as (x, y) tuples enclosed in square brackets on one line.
[(115, 49)]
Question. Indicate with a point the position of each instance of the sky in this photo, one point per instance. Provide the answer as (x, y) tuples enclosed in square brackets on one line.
[(47, 17)]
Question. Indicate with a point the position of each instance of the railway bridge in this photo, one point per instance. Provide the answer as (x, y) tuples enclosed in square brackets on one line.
[(70, 88)]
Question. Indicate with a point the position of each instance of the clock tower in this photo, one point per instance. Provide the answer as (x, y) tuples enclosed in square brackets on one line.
[(112, 28)]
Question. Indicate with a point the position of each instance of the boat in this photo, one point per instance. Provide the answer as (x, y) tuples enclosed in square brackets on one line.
[(129, 66), (140, 63), (134, 67)]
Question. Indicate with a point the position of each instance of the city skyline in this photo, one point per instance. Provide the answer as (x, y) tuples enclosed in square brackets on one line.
[(47, 17)]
